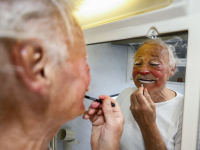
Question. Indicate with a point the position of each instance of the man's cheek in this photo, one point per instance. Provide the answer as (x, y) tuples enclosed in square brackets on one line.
[(135, 73), (157, 73), (160, 75)]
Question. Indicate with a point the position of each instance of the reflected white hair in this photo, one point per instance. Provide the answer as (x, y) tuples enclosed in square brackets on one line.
[(173, 59), (25, 19)]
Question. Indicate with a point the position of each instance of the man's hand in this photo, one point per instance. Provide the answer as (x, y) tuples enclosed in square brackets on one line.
[(107, 124), (144, 111), (143, 108)]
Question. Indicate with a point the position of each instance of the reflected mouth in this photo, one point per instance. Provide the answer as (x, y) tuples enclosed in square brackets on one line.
[(146, 81)]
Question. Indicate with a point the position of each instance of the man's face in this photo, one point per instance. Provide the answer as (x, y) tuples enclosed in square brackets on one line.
[(71, 81), (151, 67)]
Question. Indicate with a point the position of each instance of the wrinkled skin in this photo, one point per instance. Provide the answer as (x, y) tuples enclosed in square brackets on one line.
[(152, 63)]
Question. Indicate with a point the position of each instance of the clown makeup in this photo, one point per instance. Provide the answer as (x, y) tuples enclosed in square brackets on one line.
[(151, 67)]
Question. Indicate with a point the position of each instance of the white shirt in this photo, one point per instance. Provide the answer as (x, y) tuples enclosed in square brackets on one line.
[(168, 119)]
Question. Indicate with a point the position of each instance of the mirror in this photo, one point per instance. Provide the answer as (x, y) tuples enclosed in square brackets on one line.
[(112, 62)]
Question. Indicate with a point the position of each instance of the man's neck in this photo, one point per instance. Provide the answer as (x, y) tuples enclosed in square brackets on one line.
[(17, 136), (162, 95)]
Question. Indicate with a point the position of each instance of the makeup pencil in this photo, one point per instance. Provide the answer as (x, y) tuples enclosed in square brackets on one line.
[(142, 86), (97, 100)]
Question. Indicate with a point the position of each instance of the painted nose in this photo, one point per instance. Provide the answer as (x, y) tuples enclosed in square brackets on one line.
[(144, 69), (144, 72)]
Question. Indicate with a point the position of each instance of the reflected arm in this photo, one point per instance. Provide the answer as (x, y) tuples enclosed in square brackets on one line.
[(152, 138), (144, 111)]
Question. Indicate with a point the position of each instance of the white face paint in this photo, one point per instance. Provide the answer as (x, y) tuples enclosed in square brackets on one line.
[(146, 81)]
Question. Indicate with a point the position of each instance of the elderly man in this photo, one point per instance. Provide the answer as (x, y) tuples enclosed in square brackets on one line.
[(154, 120), (44, 75)]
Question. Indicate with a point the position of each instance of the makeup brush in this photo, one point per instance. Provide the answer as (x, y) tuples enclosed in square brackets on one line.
[(97, 100), (142, 86)]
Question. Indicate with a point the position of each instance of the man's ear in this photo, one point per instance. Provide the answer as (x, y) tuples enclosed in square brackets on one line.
[(172, 71), (29, 55)]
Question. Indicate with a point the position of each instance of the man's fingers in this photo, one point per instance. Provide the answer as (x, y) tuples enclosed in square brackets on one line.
[(95, 104), (85, 115), (108, 111), (141, 98), (117, 110), (93, 109), (134, 101), (94, 117), (117, 107), (99, 112)]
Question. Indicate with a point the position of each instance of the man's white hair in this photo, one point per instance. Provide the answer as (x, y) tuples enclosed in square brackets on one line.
[(173, 59), (26, 19)]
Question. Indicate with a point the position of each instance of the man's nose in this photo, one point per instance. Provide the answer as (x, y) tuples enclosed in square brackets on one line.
[(88, 65), (144, 70)]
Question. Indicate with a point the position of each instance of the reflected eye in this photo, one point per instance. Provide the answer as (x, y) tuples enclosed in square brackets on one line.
[(154, 64), (137, 64)]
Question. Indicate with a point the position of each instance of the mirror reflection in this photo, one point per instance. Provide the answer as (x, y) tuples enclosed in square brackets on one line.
[(111, 66), (149, 74)]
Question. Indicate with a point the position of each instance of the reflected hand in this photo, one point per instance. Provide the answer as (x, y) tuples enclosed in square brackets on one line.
[(143, 108), (107, 124)]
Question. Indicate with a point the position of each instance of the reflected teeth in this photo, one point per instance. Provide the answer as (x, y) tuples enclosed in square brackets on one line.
[(146, 81)]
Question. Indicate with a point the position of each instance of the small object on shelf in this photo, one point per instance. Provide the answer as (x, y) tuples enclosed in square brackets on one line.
[(179, 80)]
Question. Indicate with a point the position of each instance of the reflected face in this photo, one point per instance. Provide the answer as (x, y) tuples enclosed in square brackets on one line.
[(71, 81), (151, 67)]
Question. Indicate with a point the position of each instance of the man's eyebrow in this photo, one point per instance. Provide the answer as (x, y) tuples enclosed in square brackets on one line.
[(154, 55), (138, 57), (151, 56)]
